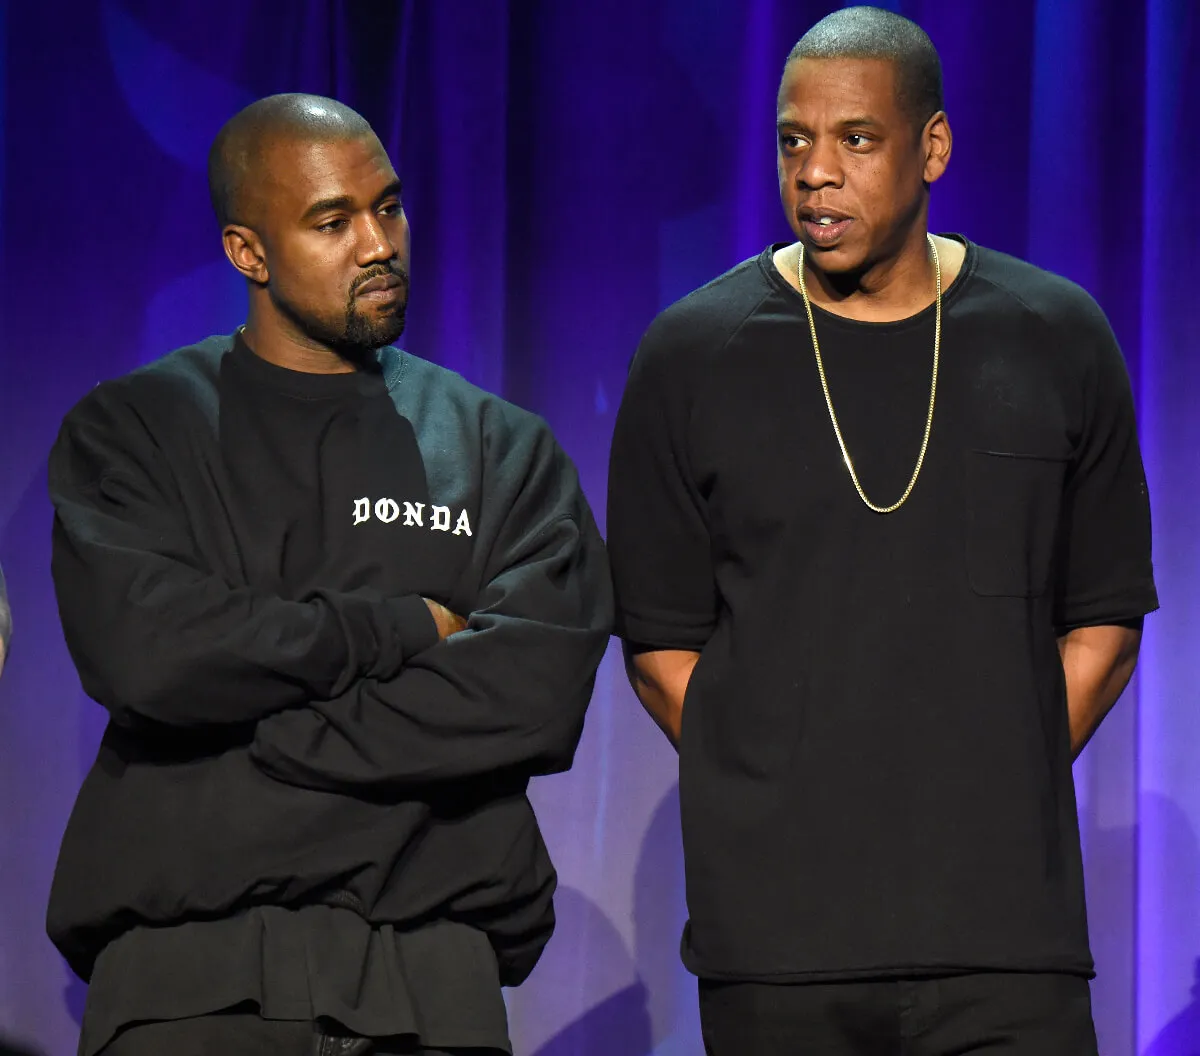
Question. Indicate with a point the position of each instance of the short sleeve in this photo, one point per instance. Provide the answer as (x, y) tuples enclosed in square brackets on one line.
[(1104, 568), (658, 538)]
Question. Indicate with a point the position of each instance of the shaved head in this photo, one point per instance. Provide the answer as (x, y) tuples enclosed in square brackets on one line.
[(242, 147), (310, 212), (873, 33)]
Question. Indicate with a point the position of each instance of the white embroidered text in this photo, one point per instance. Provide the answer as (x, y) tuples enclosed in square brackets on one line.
[(388, 510)]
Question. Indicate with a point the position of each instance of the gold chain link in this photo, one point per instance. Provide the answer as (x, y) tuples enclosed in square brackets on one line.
[(837, 430)]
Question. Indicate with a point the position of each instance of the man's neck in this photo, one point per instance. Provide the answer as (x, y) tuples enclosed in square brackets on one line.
[(888, 291), (278, 345)]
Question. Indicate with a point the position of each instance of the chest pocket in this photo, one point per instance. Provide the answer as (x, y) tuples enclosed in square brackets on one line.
[(1013, 503)]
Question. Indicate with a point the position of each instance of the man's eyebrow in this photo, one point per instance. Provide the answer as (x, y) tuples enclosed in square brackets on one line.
[(859, 122), (390, 191), (344, 201), (848, 122)]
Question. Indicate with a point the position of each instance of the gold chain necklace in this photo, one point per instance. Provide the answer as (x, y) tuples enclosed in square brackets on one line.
[(837, 430)]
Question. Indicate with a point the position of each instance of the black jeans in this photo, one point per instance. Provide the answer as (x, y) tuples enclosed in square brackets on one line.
[(992, 1013), (238, 1034)]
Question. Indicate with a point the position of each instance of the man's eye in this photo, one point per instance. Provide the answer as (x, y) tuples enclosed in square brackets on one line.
[(332, 225), (857, 139), (391, 209), (791, 142)]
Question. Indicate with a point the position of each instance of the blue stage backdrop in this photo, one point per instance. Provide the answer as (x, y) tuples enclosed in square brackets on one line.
[(571, 168)]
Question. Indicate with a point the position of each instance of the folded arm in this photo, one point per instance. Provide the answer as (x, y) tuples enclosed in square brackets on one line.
[(509, 692), (154, 634)]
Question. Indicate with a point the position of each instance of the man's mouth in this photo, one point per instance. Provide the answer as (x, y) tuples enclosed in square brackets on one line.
[(824, 227), (379, 284), (383, 289)]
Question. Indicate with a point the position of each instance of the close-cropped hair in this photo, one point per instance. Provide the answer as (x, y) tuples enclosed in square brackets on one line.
[(873, 33)]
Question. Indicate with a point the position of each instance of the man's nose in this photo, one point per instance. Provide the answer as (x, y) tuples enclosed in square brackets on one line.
[(820, 167), (375, 245)]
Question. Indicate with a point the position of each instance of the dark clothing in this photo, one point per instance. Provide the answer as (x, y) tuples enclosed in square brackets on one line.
[(324, 964), (240, 556), (875, 767), (1016, 1013), (245, 1034)]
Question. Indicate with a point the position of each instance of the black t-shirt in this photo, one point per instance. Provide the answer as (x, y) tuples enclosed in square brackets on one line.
[(875, 767), (323, 474)]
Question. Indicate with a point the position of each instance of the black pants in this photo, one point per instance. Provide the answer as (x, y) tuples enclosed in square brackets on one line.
[(236, 1034), (1014, 1014)]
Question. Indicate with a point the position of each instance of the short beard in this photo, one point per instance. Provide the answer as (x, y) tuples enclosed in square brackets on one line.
[(361, 335), (358, 336)]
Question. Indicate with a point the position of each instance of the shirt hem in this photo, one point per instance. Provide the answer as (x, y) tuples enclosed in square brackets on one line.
[(654, 634), (1129, 605), (1065, 966)]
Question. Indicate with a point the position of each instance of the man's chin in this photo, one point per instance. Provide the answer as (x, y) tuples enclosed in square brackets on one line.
[(378, 333), (836, 258), (390, 334), (839, 264)]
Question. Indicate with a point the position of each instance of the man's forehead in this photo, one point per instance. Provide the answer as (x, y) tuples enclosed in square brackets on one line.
[(312, 156), (308, 168), (839, 85)]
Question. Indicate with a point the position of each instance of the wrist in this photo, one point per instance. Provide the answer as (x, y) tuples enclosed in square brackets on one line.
[(409, 629)]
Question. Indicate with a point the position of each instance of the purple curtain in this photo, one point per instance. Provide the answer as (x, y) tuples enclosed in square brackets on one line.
[(571, 168)]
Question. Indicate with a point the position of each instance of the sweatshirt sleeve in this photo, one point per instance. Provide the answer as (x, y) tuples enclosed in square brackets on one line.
[(156, 635), (507, 694)]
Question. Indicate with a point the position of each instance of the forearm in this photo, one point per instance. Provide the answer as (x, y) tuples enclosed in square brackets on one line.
[(458, 710), (508, 694), (156, 640), (161, 631), (660, 679), (1097, 664)]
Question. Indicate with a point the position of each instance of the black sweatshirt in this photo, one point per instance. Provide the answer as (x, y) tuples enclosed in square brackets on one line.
[(281, 733)]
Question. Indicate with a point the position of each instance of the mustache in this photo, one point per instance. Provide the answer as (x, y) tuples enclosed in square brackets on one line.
[(378, 271)]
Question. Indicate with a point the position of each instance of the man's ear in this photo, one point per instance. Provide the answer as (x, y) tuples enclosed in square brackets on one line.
[(245, 251), (938, 141)]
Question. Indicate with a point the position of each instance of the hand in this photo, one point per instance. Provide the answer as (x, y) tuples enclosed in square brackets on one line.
[(448, 622)]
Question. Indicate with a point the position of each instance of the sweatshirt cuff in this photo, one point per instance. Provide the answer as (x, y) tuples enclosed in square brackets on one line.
[(413, 630)]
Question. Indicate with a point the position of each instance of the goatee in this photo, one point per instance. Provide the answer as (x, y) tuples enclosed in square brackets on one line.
[(362, 334)]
